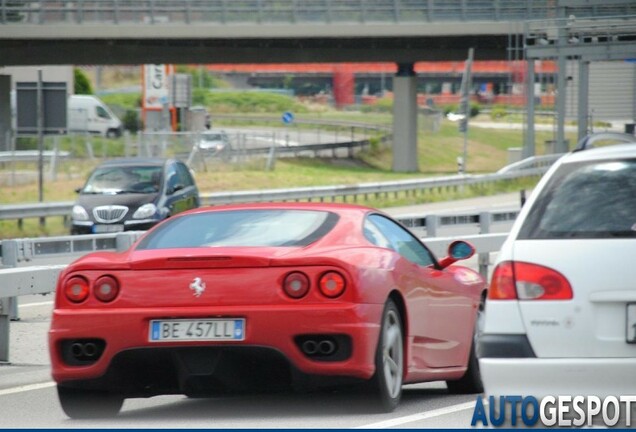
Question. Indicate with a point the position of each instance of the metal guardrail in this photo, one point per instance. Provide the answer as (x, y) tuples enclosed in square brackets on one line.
[(544, 161), (19, 281), (31, 155), (34, 210), (313, 122), (320, 193)]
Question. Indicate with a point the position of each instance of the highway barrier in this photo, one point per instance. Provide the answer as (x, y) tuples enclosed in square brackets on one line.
[(532, 167)]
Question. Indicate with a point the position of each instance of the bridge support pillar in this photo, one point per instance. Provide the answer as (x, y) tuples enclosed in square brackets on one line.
[(584, 105), (5, 113), (405, 119), (529, 149)]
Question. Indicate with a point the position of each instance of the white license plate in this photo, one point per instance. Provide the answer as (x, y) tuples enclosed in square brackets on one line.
[(100, 229), (197, 330), (631, 323)]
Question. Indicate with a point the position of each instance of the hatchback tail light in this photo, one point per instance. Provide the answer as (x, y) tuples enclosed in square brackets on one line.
[(332, 284), (76, 289), (513, 280), (296, 285), (106, 288)]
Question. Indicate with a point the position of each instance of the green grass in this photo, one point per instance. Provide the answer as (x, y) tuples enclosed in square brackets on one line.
[(437, 155)]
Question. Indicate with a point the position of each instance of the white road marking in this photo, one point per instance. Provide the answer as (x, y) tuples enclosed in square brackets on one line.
[(46, 303), (421, 416), (26, 388)]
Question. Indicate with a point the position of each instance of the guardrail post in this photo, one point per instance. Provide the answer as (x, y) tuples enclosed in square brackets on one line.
[(124, 240), (89, 148), (4, 331), (10, 259), (271, 157), (8, 305), (54, 158), (432, 221), (484, 228)]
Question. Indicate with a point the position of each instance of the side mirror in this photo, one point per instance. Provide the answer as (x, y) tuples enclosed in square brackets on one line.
[(78, 190), (457, 251), (175, 188)]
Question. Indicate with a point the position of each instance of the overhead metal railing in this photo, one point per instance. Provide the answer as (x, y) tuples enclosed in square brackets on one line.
[(162, 12), (592, 38)]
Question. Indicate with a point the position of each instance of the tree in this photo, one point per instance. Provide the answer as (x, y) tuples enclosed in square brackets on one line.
[(82, 83)]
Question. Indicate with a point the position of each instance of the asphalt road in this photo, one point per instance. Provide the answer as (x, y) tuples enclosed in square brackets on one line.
[(28, 397)]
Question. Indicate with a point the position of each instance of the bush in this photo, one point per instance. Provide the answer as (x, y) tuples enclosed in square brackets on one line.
[(131, 121), (126, 101), (200, 96), (82, 84), (449, 109), (383, 105), (201, 77), (498, 112), (474, 110), (248, 102)]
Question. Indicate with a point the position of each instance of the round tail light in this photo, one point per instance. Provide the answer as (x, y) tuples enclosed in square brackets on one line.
[(332, 284), (296, 285), (76, 289), (106, 288)]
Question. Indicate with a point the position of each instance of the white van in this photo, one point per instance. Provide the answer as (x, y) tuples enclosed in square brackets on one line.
[(88, 114)]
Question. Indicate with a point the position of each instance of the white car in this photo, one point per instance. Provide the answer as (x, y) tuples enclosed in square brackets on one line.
[(215, 143), (561, 310)]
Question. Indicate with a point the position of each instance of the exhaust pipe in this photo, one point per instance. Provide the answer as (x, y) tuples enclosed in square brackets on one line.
[(77, 349), (83, 350), (90, 349), (310, 347), (326, 347)]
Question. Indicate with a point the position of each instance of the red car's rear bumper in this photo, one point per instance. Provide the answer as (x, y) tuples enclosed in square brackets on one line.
[(270, 327)]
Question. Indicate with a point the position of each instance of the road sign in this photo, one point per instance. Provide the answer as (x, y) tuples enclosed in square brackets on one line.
[(288, 118), (181, 90), (54, 98)]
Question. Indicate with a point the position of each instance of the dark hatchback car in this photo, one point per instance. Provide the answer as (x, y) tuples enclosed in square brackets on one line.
[(133, 194)]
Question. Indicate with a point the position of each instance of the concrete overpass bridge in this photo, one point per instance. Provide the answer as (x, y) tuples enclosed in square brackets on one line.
[(282, 31), (36, 32)]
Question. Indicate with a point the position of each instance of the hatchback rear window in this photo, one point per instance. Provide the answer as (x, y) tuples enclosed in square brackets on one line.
[(586, 200), (238, 228)]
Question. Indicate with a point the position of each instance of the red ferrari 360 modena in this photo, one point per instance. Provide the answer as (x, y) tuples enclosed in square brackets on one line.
[(253, 297)]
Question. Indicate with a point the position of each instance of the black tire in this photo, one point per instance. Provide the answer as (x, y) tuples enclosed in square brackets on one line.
[(85, 404), (389, 360), (113, 133), (471, 381)]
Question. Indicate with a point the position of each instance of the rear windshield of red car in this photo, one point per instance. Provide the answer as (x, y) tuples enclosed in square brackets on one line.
[(237, 228)]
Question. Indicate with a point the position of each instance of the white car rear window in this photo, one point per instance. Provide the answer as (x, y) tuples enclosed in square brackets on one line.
[(586, 200)]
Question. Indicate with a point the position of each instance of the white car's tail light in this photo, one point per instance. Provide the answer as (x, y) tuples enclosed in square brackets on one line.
[(76, 289), (106, 288), (513, 280), (332, 284), (296, 285)]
